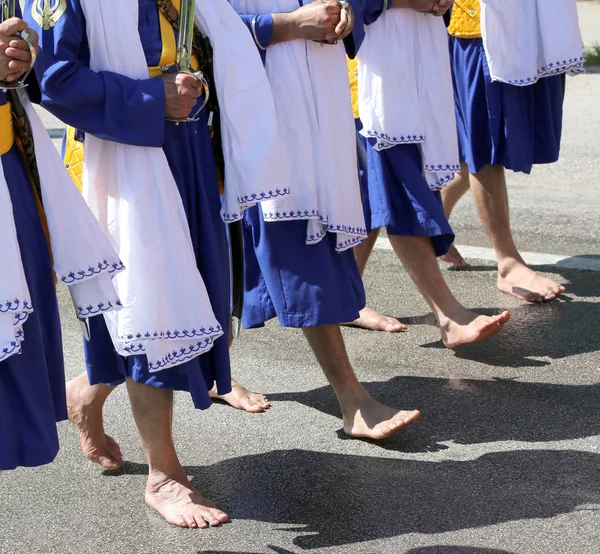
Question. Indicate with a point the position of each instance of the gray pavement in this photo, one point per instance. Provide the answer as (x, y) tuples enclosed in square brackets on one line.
[(505, 460)]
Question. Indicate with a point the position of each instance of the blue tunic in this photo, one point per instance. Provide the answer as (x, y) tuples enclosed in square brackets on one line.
[(395, 192), (301, 285), (32, 384), (120, 109), (500, 124)]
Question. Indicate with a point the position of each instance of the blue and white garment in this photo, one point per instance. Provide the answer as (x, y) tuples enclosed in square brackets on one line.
[(526, 40), (312, 96), (167, 313), (405, 90), (83, 257)]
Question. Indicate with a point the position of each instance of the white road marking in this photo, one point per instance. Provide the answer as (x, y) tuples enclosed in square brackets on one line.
[(531, 258)]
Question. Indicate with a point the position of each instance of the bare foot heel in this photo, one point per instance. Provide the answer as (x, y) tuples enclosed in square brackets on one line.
[(84, 404), (174, 498), (373, 321), (241, 398)]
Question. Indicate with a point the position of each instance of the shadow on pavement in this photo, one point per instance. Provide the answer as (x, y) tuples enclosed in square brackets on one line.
[(554, 330), (474, 411), (335, 499)]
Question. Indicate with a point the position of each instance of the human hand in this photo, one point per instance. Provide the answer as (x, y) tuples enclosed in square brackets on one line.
[(181, 94), (319, 20), (15, 55)]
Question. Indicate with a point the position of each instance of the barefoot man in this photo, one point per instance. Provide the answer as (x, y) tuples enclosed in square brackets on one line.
[(405, 104), (46, 231), (300, 266), (509, 114), (153, 186)]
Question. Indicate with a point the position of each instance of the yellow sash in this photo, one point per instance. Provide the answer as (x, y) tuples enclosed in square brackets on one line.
[(353, 76), (465, 21), (7, 135), (74, 148)]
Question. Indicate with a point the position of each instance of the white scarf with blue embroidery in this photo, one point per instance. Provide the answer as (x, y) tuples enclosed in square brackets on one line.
[(83, 257), (405, 90), (312, 96), (526, 40)]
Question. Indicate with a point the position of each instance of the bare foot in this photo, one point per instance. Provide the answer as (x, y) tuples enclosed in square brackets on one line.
[(174, 498), (466, 327), (372, 420), (242, 399), (373, 321), (84, 404), (454, 258), (526, 284)]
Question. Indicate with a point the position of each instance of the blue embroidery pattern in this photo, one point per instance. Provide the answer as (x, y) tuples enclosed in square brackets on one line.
[(14, 346), (249, 200), (314, 214), (173, 335), (176, 356), (16, 305), (385, 141), (82, 274), (573, 66), (101, 307)]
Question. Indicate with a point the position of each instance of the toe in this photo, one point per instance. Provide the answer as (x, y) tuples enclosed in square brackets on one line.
[(200, 521), (190, 521), (180, 521), (220, 516)]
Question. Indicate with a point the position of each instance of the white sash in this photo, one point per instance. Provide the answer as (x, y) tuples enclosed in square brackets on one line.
[(405, 90), (83, 258), (255, 167), (166, 310), (526, 40), (312, 96)]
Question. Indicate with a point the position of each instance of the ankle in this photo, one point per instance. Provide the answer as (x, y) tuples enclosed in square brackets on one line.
[(158, 477), (506, 264)]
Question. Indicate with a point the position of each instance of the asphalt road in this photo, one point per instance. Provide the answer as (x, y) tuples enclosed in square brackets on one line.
[(505, 460)]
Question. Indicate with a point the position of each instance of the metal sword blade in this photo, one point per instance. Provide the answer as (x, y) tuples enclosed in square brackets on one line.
[(186, 35), (8, 9)]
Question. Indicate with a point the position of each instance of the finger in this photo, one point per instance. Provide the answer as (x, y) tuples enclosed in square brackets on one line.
[(18, 43), (12, 26), (187, 81), (341, 26), (18, 67), (17, 54)]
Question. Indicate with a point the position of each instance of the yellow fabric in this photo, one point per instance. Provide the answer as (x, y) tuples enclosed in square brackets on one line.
[(7, 135), (466, 19), (74, 158), (353, 76)]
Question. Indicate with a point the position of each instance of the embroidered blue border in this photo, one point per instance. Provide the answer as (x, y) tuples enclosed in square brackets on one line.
[(16, 305), (249, 200), (408, 139), (574, 66), (314, 214), (173, 335), (176, 356), (14, 346), (100, 308), (101, 267)]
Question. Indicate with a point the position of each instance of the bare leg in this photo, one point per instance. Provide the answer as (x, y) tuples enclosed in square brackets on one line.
[(457, 324), (168, 490), (240, 397), (362, 252), (84, 404), (369, 318), (363, 415), (514, 277), (450, 197)]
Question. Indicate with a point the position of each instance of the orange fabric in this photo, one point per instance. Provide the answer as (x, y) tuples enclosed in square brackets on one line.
[(353, 76)]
